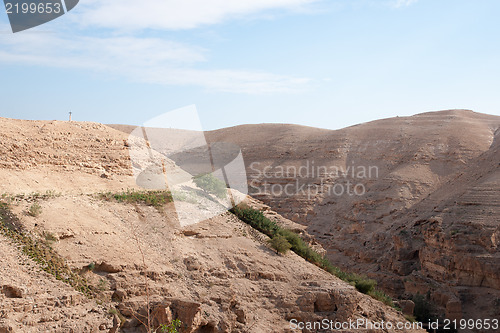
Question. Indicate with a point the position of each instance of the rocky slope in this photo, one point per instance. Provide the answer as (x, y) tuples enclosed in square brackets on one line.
[(426, 217), (453, 236), (44, 155), (215, 276)]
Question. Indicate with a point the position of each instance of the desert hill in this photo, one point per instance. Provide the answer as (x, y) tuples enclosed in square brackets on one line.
[(75, 259), (61, 156), (428, 219)]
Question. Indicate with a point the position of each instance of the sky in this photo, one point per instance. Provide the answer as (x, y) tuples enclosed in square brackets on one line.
[(321, 63)]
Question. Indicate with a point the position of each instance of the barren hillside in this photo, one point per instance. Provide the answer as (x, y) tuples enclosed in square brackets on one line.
[(427, 218), (77, 261)]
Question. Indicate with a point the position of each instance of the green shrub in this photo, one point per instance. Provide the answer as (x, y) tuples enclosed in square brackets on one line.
[(172, 327), (383, 297), (35, 210), (280, 244), (364, 284), (257, 220), (211, 184)]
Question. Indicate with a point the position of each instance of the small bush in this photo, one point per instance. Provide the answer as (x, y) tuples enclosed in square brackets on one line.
[(35, 210), (257, 220), (211, 184), (280, 244), (172, 327), (381, 296), (364, 284)]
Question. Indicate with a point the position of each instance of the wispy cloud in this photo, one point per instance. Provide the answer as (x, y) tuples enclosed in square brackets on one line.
[(173, 14), (147, 60), (403, 3)]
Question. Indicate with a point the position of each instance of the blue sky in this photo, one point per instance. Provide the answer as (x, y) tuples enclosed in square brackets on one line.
[(323, 63)]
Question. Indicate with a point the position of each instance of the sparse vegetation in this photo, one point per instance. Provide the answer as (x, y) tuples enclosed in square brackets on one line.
[(211, 184), (381, 296), (114, 311), (35, 210), (173, 327), (156, 199), (102, 285), (49, 238), (257, 220), (280, 244), (364, 284), (33, 196), (40, 252), (411, 318), (91, 266)]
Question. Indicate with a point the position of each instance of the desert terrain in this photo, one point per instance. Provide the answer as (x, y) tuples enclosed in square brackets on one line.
[(427, 222), (77, 259), (424, 219)]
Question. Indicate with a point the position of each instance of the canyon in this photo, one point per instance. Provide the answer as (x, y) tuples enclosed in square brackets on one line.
[(76, 259)]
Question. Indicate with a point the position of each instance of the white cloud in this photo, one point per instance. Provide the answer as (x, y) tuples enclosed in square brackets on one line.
[(404, 3), (148, 60), (172, 14)]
